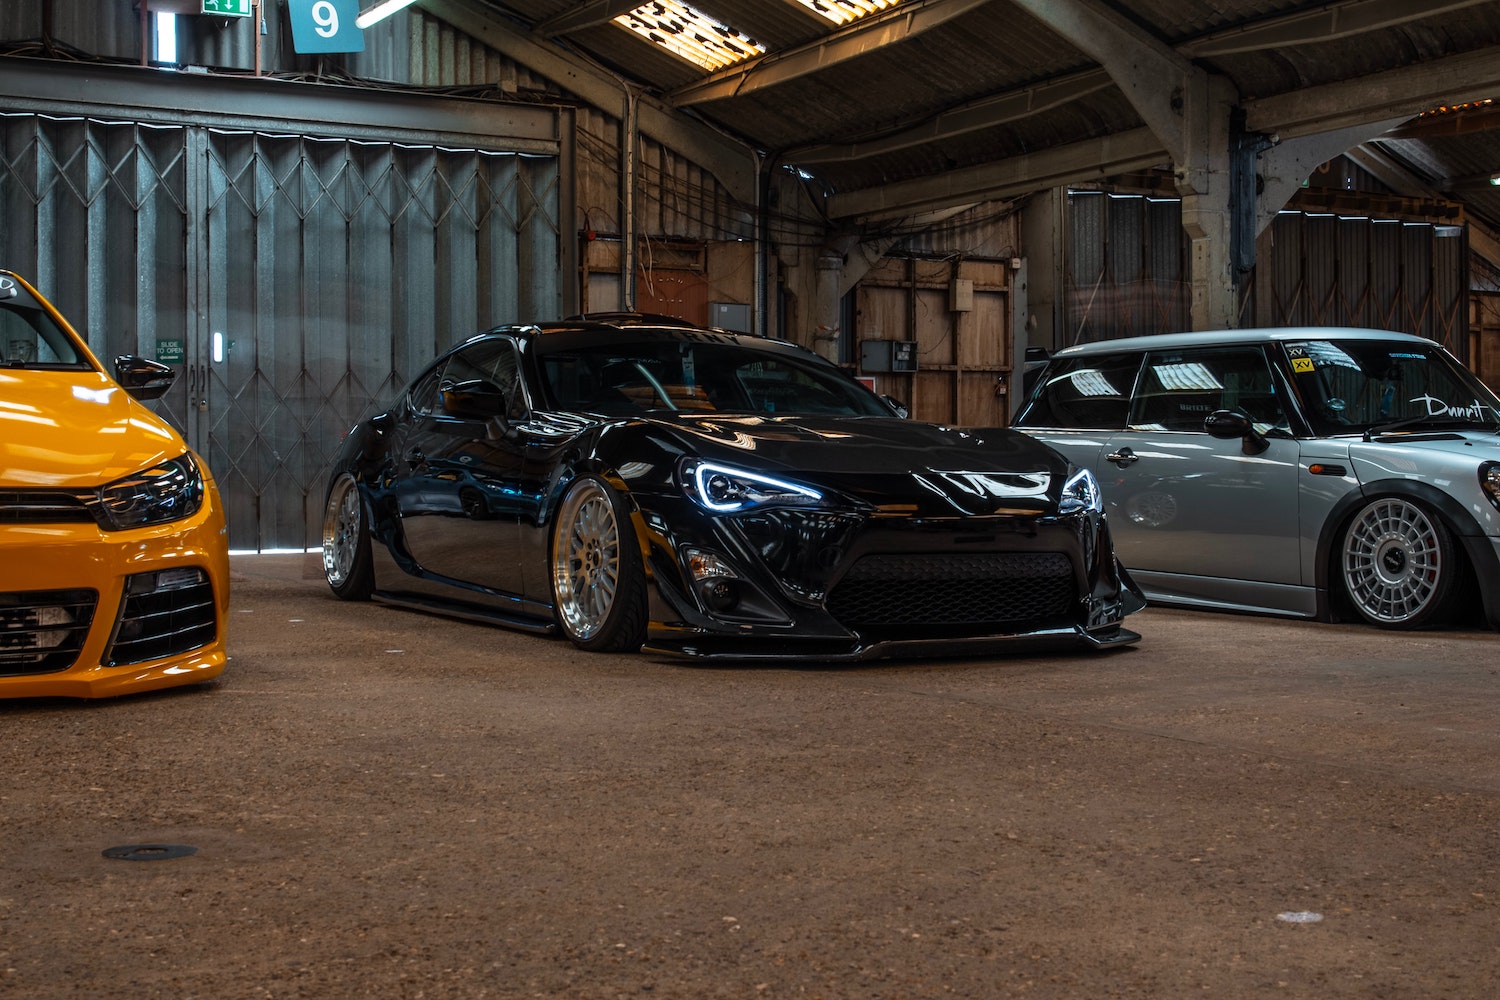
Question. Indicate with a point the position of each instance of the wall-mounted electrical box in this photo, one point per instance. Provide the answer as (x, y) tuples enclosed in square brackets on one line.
[(888, 355), (729, 316), (961, 295)]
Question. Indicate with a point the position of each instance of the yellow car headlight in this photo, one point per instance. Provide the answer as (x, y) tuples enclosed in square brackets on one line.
[(163, 493)]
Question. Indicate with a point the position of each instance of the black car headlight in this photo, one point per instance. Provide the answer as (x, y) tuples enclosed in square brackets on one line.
[(1081, 493), (724, 489), (1489, 482), (166, 492)]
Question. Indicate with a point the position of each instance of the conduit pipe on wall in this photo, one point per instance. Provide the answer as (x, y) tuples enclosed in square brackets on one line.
[(630, 135)]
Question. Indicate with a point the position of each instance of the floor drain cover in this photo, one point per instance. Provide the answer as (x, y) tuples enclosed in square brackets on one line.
[(149, 852)]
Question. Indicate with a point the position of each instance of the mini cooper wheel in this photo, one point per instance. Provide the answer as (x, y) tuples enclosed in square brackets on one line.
[(597, 581), (1399, 564), (346, 542)]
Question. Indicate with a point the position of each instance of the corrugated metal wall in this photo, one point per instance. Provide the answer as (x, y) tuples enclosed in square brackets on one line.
[(1126, 272), (1126, 267), (1335, 270)]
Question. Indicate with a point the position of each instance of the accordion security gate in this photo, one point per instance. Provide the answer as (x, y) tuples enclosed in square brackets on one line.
[(293, 281), (1127, 273)]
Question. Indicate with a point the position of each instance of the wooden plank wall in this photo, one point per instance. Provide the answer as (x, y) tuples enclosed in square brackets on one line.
[(959, 313)]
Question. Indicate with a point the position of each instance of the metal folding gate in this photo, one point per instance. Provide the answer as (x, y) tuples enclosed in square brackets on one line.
[(294, 281), (1126, 272)]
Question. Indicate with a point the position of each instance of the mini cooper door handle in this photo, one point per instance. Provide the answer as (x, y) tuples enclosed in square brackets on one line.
[(1123, 457)]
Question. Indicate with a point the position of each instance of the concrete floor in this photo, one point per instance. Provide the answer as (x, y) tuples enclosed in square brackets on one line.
[(389, 804)]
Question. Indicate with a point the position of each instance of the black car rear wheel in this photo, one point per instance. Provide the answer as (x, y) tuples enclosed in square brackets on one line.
[(1400, 564), (346, 541), (598, 583)]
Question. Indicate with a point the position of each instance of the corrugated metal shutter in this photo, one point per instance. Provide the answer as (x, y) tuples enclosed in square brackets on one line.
[(294, 281)]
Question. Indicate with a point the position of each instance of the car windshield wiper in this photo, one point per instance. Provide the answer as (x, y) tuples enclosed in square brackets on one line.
[(1443, 421)]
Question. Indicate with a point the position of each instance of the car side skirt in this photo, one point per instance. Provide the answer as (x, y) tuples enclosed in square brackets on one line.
[(1218, 594)]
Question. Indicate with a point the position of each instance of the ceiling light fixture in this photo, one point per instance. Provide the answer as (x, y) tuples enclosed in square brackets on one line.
[(380, 12)]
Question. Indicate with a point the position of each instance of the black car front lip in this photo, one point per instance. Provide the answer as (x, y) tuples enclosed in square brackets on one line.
[(794, 650)]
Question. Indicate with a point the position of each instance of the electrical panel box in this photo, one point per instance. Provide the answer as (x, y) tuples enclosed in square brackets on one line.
[(888, 355), (729, 316)]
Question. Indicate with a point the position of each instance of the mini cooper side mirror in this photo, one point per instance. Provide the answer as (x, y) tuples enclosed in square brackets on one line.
[(1226, 425), (142, 377)]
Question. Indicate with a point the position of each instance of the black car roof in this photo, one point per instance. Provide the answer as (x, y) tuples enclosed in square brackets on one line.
[(595, 329)]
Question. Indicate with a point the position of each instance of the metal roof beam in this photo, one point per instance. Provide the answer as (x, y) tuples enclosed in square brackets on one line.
[(1149, 72), (1076, 163), (732, 164), (584, 15), (1397, 93), (1340, 20), (898, 24), (985, 113)]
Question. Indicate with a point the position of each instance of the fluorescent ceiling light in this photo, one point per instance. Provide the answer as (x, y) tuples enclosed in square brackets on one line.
[(380, 12), (844, 11), (690, 34)]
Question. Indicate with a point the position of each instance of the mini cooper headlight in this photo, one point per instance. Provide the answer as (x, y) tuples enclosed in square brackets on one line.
[(724, 489), (1489, 482), (1081, 493), (167, 492)]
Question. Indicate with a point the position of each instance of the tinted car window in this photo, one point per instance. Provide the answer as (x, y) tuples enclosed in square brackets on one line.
[(489, 366), (1081, 393), (1352, 386), (29, 337), (1179, 389), (699, 376)]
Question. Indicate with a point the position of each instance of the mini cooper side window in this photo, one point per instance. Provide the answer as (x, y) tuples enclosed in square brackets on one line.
[(1179, 389), (1084, 393)]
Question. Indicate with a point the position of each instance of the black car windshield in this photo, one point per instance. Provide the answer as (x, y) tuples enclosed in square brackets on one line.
[(28, 336), (1379, 386), (707, 374)]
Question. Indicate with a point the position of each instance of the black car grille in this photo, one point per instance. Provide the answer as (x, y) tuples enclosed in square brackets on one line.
[(948, 591), (164, 614), (43, 631), (43, 507)]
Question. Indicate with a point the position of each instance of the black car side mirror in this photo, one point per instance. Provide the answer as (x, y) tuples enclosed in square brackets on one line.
[(1226, 425), (143, 378), (474, 399)]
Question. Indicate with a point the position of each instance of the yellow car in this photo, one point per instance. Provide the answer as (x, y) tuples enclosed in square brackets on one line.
[(114, 561)]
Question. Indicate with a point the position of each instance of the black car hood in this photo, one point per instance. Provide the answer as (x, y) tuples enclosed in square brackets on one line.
[(885, 460)]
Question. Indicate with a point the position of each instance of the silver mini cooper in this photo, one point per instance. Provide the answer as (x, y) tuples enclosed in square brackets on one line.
[(1303, 471)]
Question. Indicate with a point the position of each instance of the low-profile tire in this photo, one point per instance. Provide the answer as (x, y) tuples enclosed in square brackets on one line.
[(598, 584), (1399, 564), (346, 541)]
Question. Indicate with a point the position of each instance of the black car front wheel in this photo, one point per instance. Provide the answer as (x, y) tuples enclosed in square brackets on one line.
[(598, 583), (1400, 564), (346, 541)]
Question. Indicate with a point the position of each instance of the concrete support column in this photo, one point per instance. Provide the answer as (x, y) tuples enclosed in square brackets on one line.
[(1041, 318), (1203, 177), (827, 297)]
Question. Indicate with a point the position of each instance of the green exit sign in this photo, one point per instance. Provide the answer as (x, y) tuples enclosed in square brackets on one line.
[(227, 8)]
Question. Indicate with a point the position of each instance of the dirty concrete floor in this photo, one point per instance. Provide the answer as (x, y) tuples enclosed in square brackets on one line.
[(387, 804)]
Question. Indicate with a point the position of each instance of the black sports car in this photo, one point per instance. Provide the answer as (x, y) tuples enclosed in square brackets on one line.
[(635, 481)]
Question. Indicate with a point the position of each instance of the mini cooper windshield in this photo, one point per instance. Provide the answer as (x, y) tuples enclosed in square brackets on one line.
[(696, 373), (1383, 387)]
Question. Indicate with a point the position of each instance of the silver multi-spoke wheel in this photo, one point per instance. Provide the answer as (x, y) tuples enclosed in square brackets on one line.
[(1398, 563), (346, 540), (596, 577)]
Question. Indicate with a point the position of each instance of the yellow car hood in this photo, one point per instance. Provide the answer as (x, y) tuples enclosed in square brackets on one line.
[(72, 429)]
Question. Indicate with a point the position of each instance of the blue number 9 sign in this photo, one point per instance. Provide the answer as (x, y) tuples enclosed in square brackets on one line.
[(325, 26)]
